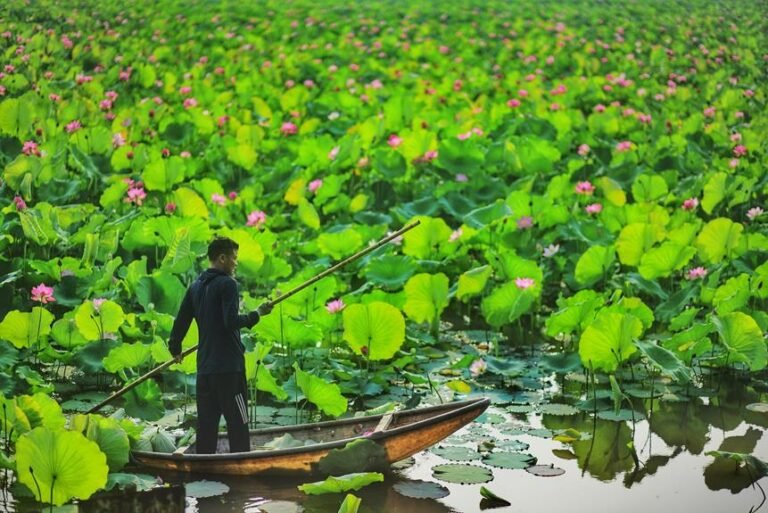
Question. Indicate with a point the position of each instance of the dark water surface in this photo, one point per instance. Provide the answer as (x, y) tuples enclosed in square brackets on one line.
[(675, 473)]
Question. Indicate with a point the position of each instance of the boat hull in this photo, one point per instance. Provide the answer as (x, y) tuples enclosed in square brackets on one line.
[(410, 432)]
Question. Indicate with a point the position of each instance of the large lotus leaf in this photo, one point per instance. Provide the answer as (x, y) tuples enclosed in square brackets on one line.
[(462, 473), (511, 460), (138, 482), (714, 191), (506, 304), (308, 214), (243, 155), (594, 264), (165, 229), (16, 116), (111, 439), (418, 489), (426, 296), (484, 216), (472, 282), (390, 270), (41, 410), (163, 174), (635, 239), (425, 240), (339, 244), (690, 343), (24, 329), (65, 465), (9, 355), (205, 488), (718, 239), (534, 156), (250, 256), (575, 313), (662, 261), (161, 289), (179, 256), (511, 266), (65, 332), (257, 371), (732, 295), (460, 156), (340, 484), (145, 401), (326, 396), (759, 282), (189, 203), (378, 327), (743, 339), (647, 188), (665, 360), (609, 341), (94, 323), (361, 455), (310, 298), (127, 356), (288, 331), (633, 306)]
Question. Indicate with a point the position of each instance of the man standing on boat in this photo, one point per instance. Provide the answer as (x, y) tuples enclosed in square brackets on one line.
[(213, 301)]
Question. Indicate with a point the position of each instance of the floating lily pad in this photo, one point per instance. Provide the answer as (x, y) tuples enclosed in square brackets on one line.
[(622, 416), (512, 445), (520, 408), (564, 454), (491, 418), (205, 488), (511, 460), (421, 489), (454, 453), (558, 409), (545, 470), (461, 473), (139, 482), (403, 464), (758, 407)]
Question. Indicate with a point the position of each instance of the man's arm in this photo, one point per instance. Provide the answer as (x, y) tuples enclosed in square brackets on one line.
[(181, 324), (230, 304)]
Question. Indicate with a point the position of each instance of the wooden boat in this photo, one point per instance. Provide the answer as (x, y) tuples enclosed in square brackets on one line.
[(401, 433)]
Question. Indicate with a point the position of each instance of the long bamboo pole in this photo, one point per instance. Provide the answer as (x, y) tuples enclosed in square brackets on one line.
[(272, 303)]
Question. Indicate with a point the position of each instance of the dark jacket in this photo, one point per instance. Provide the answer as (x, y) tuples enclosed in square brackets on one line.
[(213, 301)]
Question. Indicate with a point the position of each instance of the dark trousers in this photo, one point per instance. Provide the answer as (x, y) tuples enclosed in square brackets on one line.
[(217, 395)]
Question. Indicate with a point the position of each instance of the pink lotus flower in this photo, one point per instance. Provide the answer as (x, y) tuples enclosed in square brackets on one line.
[(585, 188), (314, 185), (739, 151), (170, 208), (583, 150), (513, 103), (54, 97), (624, 146), (593, 208), (335, 306), (190, 103), (30, 148), (560, 89), (43, 294), (185, 154), (136, 195), (525, 222), (599, 107), (394, 141), (733, 163), (105, 104), (709, 112), (522, 93), (754, 212), (478, 367), (749, 93), (97, 302), (124, 75), (644, 118), (73, 126), (256, 218), (333, 153), (185, 90), (696, 273), (19, 203), (111, 95), (690, 204), (118, 140), (524, 283), (461, 177), (222, 120), (83, 79), (551, 250), (288, 128), (218, 199), (455, 235), (429, 156)]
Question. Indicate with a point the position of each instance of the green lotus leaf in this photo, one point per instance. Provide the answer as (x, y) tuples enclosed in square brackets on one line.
[(609, 340), (65, 465), (462, 473), (472, 282), (690, 343), (732, 295), (456, 453), (65, 332), (9, 355), (743, 339), (179, 256), (718, 239), (459, 156), (378, 327), (189, 203), (512, 266), (16, 116), (350, 504), (288, 331), (145, 402), (243, 155), (308, 214), (24, 329), (684, 319), (93, 323), (361, 455), (341, 484), (326, 396), (634, 240), (256, 370), (714, 191), (161, 289), (163, 174), (390, 270), (111, 439), (205, 488), (506, 304), (483, 216), (534, 156), (41, 410), (594, 264), (138, 482), (664, 260), (575, 314), (665, 360), (426, 240), (127, 356), (633, 306), (759, 282), (512, 460), (339, 244), (426, 297), (648, 188)]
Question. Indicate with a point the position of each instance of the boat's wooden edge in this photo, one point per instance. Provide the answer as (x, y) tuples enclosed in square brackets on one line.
[(451, 409)]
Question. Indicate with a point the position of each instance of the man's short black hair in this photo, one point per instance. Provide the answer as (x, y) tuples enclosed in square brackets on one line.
[(221, 246)]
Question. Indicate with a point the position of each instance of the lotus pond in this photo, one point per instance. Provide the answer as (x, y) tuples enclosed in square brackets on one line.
[(590, 181)]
